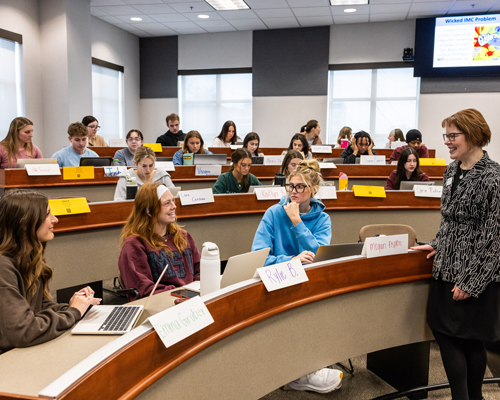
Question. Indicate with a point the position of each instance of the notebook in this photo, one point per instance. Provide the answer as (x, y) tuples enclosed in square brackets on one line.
[(21, 163), (112, 320), (333, 251), (210, 159)]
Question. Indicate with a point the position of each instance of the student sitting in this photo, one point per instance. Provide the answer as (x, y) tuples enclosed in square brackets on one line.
[(311, 131), (361, 145), (70, 156), (408, 170), (345, 133), (294, 229), (238, 179), (291, 162), (193, 143), (28, 315), (18, 143), (145, 172), (92, 125), (151, 240), (413, 139), (173, 136), (299, 143), (125, 156), (252, 143), (227, 135), (396, 135)]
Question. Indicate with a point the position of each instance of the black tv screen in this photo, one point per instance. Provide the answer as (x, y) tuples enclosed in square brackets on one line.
[(467, 45)]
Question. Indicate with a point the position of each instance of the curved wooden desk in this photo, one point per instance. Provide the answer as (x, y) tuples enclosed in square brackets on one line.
[(259, 341)]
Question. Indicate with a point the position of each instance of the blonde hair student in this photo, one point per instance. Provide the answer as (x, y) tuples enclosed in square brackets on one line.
[(18, 143)]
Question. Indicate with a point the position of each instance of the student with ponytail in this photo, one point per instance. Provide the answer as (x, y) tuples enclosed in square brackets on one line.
[(311, 130), (18, 143), (238, 179)]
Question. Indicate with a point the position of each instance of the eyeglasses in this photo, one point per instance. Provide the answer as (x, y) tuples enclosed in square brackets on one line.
[(134, 139), (451, 137), (290, 187), (94, 127)]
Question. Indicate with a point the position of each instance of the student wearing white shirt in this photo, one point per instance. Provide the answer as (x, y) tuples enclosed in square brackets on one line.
[(227, 135), (78, 137)]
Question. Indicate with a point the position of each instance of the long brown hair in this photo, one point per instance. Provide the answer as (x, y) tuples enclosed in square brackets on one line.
[(190, 135), (22, 212), (236, 157), (344, 133), (144, 219), (11, 141), (224, 131), (290, 155), (401, 172)]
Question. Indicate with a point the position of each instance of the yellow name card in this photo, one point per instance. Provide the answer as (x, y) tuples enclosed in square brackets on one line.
[(156, 147), (368, 191), (78, 172), (432, 161), (69, 206)]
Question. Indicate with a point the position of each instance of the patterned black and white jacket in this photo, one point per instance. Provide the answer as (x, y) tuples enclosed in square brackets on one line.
[(468, 242)]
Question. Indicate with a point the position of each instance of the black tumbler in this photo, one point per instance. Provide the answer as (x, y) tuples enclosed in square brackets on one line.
[(131, 192), (279, 179)]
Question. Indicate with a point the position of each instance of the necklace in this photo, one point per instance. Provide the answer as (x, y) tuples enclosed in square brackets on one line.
[(468, 169)]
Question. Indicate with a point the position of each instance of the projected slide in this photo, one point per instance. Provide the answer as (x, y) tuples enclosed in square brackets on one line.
[(472, 41)]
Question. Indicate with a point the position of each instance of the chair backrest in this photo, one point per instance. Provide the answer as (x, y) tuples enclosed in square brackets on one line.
[(388, 229)]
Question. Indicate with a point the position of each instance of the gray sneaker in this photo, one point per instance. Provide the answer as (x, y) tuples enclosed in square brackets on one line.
[(324, 380)]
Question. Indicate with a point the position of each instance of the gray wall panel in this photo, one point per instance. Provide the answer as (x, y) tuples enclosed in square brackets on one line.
[(460, 85)]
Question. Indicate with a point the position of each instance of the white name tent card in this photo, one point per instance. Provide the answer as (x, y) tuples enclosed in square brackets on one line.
[(324, 165), (372, 160), (117, 143), (427, 191), (395, 145), (166, 165), (198, 196), (326, 192), (206, 170), (42, 169), (279, 276), (179, 322), (385, 245), (268, 193), (236, 146), (114, 171), (321, 149), (273, 160)]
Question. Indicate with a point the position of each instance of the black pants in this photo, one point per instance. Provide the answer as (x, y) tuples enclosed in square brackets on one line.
[(464, 361)]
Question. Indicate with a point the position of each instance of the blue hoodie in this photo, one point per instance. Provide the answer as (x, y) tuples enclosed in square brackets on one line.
[(285, 240)]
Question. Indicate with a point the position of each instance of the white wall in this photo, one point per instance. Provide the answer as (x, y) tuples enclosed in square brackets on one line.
[(153, 114)]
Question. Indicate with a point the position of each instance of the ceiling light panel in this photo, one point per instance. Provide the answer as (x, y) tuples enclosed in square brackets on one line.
[(348, 2), (224, 5)]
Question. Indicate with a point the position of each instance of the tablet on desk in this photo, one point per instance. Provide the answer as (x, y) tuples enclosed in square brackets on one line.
[(409, 185), (334, 251), (210, 159)]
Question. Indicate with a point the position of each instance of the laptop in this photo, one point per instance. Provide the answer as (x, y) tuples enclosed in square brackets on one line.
[(210, 159), (112, 320), (96, 161), (334, 251), (22, 162), (408, 185), (258, 160), (242, 267), (336, 161)]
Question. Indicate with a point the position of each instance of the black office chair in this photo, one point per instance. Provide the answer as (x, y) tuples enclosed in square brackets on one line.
[(120, 289)]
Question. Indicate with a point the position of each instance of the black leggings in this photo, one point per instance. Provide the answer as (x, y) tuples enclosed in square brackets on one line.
[(464, 361)]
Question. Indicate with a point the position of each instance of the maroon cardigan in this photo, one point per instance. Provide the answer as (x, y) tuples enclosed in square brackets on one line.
[(391, 181)]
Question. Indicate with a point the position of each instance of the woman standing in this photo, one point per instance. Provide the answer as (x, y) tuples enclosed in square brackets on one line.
[(408, 170), (18, 143), (227, 135), (238, 179), (311, 130), (464, 297), (125, 156), (92, 125)]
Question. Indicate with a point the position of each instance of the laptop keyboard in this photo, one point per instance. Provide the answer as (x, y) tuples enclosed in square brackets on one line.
[(119, 318)]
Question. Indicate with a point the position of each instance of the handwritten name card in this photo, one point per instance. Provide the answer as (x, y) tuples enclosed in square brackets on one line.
[(372, 160), (42, 169), (199, 196), (267, 193), (428, 191), (273, 160), (207, 170), (395, 145), (282, 275), (236, 146), (325, 165), (166, 165), (177, 323), (78, 173), (117, 143), (326, 192), (69, 206), (321, 149), (385, 245), (114, 171)]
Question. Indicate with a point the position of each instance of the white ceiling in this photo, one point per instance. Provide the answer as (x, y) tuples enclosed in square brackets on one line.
[(180, 17)]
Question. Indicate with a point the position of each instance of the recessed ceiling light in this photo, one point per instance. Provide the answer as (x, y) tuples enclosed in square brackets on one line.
[(348, 2), (136, 19), (223, 5), (203, 16), (350, 10)]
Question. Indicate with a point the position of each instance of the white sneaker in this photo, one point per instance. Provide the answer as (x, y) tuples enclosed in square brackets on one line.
[(324, 380)]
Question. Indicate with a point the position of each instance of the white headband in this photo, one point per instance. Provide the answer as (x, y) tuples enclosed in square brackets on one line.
[(160, 191)]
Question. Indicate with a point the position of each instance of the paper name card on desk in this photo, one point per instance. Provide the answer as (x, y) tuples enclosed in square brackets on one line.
[(78, 173), (42, 169), (321, 149), (395, 145), (428, 191), (236, 146), (268, 193), (368, 191), (69, 206), (166, 165), (198, 196), (156, 147), (117, 143), (282, 275), (432, 161), (326, 192), (385, 245), (114, 171), (372, 160), (325, 165), (273, 160), (177, 323), (207, 170)]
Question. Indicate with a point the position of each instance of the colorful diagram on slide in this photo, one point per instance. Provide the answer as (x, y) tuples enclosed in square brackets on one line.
[(486, 43)]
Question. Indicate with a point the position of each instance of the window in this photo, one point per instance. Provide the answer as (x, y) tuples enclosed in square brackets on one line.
[(107, 99), (11, 93), (207, 101), (374, 100)]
